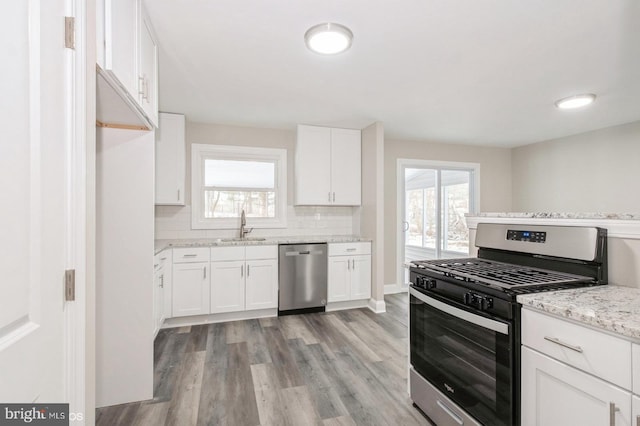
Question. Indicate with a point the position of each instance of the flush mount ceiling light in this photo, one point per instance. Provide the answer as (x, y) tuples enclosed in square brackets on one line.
[(328, 39), (576, 101)]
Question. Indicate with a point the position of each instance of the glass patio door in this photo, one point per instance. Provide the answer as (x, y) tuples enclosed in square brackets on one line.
[(436, 199)]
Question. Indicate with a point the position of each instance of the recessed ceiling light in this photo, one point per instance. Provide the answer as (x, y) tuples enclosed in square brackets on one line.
[(576, 101), (328, 39)]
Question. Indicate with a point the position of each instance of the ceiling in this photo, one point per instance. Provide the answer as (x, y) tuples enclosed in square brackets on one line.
[(453, 71)]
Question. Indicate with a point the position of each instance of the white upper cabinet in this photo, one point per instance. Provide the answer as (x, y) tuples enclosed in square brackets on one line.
[(170, 159), (127, 87), (148, 69), (327, 166)]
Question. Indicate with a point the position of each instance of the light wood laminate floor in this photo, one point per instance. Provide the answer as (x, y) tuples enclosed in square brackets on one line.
[(334, 368)]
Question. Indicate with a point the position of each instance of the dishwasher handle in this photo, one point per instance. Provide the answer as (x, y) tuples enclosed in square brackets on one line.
[(303, 253)]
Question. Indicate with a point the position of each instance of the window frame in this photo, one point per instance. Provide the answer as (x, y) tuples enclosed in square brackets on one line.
[(202, 152)]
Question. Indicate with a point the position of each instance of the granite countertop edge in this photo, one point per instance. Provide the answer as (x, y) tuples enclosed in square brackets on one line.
[(161, 245), (612, 308)]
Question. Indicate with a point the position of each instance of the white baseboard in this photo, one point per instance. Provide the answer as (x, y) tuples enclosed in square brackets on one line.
[(348, 304), (214, 318), (377, 306)]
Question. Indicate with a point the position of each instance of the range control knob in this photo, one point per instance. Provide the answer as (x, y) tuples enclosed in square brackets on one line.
[(478, 301)]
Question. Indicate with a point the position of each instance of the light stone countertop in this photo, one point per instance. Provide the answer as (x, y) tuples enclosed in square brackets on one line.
[(609, 307), (558, 215), (218, 242)]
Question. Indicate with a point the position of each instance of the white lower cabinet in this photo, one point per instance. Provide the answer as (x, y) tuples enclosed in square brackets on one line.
[(349, 272), (554, 393), (244, 278), (261, 284), (227, 286), (190, 289)]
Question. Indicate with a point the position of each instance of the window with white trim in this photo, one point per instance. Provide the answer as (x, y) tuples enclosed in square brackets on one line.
[(225, 180)]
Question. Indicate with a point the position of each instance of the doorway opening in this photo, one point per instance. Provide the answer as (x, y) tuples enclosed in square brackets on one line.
[(433, 198)]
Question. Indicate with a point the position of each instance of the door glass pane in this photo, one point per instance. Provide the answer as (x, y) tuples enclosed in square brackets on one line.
[(420, 213), (455, 204)]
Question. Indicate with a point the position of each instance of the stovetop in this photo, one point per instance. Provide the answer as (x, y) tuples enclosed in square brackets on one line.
[(499, 274)]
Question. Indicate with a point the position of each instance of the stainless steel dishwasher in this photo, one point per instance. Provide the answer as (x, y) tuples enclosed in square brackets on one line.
[(303, 278)]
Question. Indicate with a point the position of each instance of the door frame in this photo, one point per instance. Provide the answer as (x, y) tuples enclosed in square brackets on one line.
[(80, 183), (401, 165)]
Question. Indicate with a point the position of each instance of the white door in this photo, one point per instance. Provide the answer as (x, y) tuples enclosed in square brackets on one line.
[(339, 278), (554, 393), (35, 210), (227, 286), (346, 178), (262, 284), (360, 277), (190, 292)]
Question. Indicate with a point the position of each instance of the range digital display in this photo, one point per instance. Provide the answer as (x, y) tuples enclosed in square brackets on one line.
[(527, 236)]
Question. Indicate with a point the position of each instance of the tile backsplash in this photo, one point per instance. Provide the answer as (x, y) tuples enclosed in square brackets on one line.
[(174, 222)]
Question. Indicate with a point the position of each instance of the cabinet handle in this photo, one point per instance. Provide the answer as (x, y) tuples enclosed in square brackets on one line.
[(204, 270), (141, 85), (242, 271), (248, 270), (348, 264), (329, 196), (178, 195), (162, 281), (561, 343), (351, 249), (612, 413), (334, 197), (189, 255), (163, 258)]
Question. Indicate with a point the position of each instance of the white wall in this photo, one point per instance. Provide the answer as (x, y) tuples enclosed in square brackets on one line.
[(597, 171), (174, 222), (124, 266), (495, 183)]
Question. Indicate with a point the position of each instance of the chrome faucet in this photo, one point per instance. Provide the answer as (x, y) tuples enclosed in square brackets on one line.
[(243, 229)]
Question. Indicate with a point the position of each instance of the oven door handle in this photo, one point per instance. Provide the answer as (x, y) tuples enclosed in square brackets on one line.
[(497, 326)]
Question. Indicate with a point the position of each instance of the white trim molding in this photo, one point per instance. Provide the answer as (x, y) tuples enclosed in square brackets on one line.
[(377, 306)]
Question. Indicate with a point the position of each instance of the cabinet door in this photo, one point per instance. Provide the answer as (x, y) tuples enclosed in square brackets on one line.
[(635, 411), (227, 286), (165, 261), (158, 299), (360, 277), (148, 69), (554, 393), (170, 159), (190, 289), (262, 284), (346, 167), (313, 166), (339, 279), (121, 19)]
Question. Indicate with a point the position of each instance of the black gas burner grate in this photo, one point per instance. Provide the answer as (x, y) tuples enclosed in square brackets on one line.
[(497, 273)]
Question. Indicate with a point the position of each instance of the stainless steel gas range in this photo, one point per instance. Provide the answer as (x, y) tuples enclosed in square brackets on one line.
[(464, 319)]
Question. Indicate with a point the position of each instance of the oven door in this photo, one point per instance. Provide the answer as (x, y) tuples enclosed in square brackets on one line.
[(468, 357)]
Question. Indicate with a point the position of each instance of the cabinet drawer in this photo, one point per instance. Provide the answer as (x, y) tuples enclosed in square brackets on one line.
[(598, 353), (262, 252), (219, 254), (188, 255), (349, 249)]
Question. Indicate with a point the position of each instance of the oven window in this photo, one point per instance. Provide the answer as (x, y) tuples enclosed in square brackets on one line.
[(469, 363)]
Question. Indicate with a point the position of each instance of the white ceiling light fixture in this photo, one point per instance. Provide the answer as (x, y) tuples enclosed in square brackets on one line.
[(576, 101), (328, 39)]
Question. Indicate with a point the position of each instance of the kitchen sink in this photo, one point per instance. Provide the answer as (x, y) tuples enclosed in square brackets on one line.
[(226, 240)]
